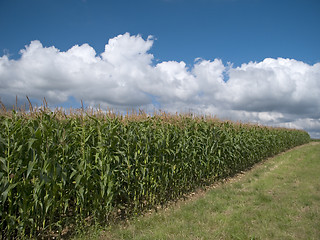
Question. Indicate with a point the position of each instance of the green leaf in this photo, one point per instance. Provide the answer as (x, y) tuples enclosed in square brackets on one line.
[(30, 167), (4, 164), (6, 192), (30, 142), (78, 179)]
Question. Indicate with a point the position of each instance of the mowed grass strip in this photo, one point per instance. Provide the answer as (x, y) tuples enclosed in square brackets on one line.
[(278, 199)]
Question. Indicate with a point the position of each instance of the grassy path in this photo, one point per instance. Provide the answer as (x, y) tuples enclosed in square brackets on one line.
[(279, 199)]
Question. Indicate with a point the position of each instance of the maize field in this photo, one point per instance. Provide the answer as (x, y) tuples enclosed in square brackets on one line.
[(59, 168)]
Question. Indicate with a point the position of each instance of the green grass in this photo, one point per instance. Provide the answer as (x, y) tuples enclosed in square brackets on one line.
[(279, 199)]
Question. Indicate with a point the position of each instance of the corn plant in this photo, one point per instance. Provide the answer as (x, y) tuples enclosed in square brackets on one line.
[(59, 169)]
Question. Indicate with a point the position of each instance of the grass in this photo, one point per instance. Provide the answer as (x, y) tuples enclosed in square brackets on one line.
[(278, 199)]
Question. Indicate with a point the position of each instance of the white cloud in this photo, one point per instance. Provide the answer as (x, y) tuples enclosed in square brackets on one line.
[(275, 91), (283, 85)]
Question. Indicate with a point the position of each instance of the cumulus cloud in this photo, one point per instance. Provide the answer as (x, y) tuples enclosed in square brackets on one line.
[(279, 92), (282, 85)]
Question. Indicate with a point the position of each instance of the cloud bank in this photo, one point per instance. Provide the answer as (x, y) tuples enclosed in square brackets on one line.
[(279, 92)]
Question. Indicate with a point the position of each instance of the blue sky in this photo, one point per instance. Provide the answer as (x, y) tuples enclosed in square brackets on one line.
[(248, 60), (236, 31)]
